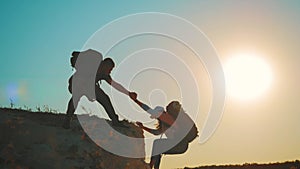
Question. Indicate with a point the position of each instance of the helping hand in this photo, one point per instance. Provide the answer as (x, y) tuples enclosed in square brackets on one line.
[(133, 95), (139, 124)]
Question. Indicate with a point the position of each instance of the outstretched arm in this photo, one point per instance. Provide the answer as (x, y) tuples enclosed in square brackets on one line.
[(122, 89), (163, 117), (152, 131), (142, 105), (119, 87)]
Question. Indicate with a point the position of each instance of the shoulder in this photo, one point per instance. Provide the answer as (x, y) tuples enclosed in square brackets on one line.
[(107, 77), (93, 52), (91, 56), (103, 77)]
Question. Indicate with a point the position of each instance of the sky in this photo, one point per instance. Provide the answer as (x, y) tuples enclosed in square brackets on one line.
[(37, 38)]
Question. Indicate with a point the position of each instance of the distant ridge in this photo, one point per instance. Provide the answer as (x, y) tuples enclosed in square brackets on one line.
[(284, 165)]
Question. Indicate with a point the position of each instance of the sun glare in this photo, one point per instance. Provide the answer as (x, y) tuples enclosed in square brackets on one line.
[(247, 76)]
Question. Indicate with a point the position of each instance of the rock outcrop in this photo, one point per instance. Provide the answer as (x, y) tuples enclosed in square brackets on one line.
[(36, 140)]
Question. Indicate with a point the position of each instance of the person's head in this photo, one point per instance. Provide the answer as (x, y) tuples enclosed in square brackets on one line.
[(155, 113), (107, 65), (173, 108), (74, 57)]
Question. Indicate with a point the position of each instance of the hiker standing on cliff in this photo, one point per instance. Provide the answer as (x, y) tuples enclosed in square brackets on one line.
[(90, 70), (177, 126)]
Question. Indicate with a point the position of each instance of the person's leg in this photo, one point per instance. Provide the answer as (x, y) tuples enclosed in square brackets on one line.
[(71, 108), (70, 112), (159, 146), (104, 100), (157, 161), (151, 162), (165, 146)]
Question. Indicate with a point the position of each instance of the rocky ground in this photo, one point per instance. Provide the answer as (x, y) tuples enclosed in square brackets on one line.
[(36, 140)]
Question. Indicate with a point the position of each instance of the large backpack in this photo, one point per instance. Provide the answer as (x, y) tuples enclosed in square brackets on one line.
[(193, 133), (88, 64), (186, 125), (90, 56), (74, 57)]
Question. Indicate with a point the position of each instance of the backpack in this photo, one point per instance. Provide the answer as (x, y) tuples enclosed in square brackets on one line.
[(88, 59), (184, 123), (74, 57), (193, 133), (89, 63)]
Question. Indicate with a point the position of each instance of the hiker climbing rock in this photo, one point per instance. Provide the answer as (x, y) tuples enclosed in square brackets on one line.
[(177, 126)]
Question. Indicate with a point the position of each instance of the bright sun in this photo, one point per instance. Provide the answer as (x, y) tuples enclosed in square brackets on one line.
[(247, 76)]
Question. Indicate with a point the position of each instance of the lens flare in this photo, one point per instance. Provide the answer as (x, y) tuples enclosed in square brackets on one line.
[(16, 91)]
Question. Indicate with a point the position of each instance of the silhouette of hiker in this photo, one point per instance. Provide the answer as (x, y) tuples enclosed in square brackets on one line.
[(90, 69), (176, 131)]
